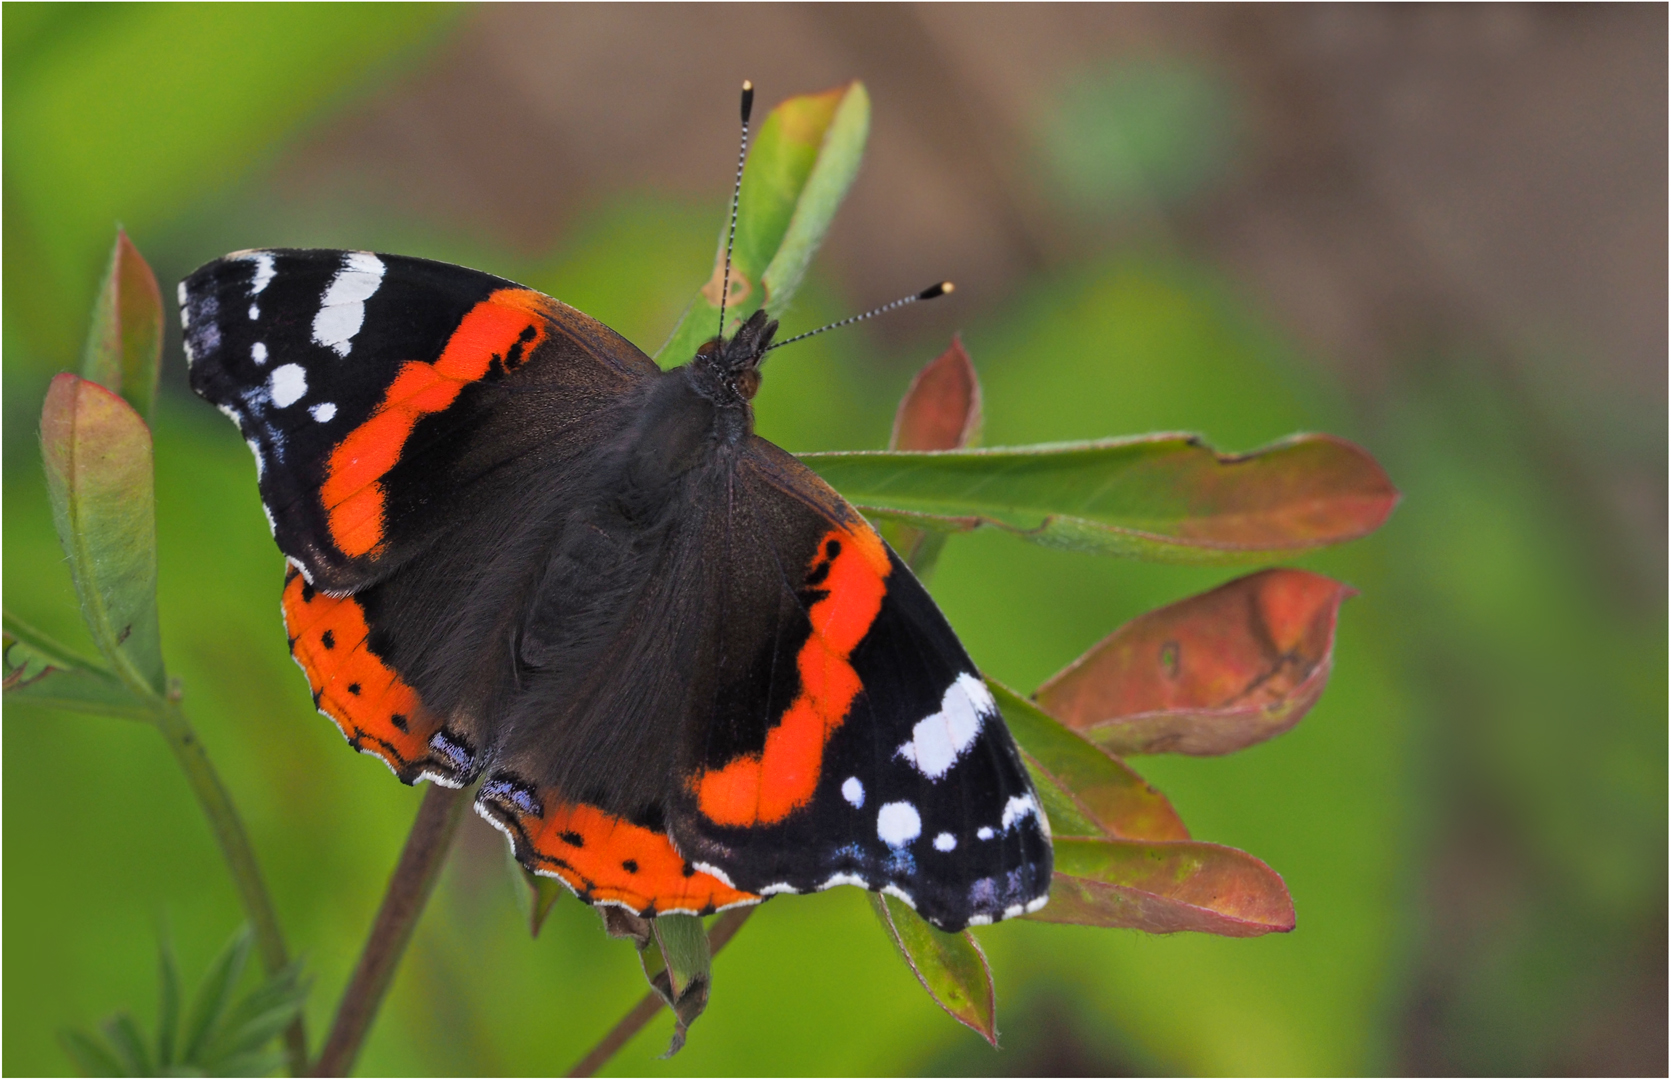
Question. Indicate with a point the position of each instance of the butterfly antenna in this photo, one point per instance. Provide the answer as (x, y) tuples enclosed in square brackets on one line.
[(929, 293), (736, 190)]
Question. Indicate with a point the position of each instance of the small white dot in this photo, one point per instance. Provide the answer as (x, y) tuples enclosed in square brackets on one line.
[(945, 842), (897, 823), (324, 412), (984, 832), (853, 791), (254, 312), (258, 353)]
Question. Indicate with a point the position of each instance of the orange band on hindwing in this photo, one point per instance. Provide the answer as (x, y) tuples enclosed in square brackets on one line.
[(606, 859), (375, 710), (498, 334), (851, 567)]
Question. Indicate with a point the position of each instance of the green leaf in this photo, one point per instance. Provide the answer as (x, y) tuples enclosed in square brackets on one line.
[(257, 1019), (951, 967), (799, 168), (679, 966), (124, 1036), (1163, 888), (941, 410), (1169, 498), (168, 1002), (1208, 675), (91, 1057), (38, 671), (124, 345), (214, 996), (538, 894), (1085, 791), (97, 453)]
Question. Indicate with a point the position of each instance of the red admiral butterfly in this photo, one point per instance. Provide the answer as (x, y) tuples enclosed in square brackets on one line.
[(687, 673)]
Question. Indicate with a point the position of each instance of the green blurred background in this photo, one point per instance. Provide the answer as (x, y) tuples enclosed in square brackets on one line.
[(1440, 232)]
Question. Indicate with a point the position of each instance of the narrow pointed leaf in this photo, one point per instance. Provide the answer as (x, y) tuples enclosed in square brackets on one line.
[(168, 1002), (214, 996), (1207, 675), (941, 410), (1169, 498), (97, 453), (1162, 888), (803, 159), (124, 346), (129, 1043), (951, 967), (91, 1057), (1085, 791)]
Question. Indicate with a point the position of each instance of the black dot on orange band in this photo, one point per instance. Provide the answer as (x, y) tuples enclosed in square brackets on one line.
[(328, 639), (573, 839), (354, 688), (689, 870), (398, 720), (307, 593), (630, 865)]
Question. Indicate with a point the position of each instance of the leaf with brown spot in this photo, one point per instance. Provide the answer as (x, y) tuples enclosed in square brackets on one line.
[(801, 162), (1207, 675), (941, 410), (951, 967), (1162, 888)]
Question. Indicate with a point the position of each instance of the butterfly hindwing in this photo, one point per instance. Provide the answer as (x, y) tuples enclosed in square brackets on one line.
[(857, 744)]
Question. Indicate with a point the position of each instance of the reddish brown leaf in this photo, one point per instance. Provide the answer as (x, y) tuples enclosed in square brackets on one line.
[(1208, 675), (1162, 888), (941, 410)]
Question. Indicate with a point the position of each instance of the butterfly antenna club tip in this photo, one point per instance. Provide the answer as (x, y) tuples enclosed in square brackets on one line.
[(939, 288), (736, 190)]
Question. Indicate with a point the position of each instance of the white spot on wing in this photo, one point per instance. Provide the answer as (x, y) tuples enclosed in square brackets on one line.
[(895, 890), (324, 411), (254, 312), (272, 526), (260, 463), (1013, 910), (937, 741), (985, 832), (945, 842), (180, 294), (897, 823), (1034, 905), (342, 310), (853, 791), (980, 920), (1018, 807), (258, 353), (287, 385), (780, 887), (263, 261)]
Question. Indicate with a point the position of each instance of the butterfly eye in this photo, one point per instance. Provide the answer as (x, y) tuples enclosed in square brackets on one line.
[(748, 383)]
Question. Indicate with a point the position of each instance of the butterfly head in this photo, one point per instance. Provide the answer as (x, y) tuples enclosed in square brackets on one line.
[(734, 363)]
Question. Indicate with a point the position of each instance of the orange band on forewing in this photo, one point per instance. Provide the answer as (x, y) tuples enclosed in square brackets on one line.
[(505, 328), (374, 709), (765, 787), (604, 858)]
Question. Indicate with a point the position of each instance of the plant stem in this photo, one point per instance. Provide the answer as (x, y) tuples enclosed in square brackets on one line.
[(240, 858), (409, 888), (719, 935)]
